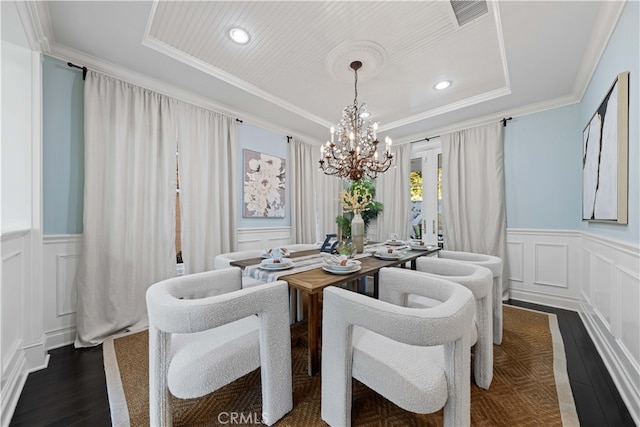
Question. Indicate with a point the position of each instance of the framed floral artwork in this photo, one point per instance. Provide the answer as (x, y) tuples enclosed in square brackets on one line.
[(264, 185), (605, 157)]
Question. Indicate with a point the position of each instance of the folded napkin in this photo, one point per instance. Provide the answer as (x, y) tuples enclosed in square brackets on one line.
[(338, 260), (277, 253)]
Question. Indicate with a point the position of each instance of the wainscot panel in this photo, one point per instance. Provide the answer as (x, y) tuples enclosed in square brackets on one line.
[(263, 238), (609, 304), (61, 256), (20, 352), (544, 266)]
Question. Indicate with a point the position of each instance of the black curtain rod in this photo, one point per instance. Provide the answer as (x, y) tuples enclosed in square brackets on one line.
[(84, 69), (239, 121), (289, 139), (503, 120)]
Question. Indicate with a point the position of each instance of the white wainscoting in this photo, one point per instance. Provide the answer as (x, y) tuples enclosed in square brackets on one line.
[(22, 344), (595, 276), (544, 266), (263, 238), (609, 308), (61, 255)]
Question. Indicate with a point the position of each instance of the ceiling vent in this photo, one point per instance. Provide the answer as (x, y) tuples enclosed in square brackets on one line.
[(468, 10)]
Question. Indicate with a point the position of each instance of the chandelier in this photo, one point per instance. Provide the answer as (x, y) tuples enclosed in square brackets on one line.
[(352, 152)]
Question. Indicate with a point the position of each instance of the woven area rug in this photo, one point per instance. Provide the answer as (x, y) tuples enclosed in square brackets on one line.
[(530, 386)]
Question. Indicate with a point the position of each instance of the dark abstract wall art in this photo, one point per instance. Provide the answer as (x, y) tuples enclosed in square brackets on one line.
[(605, 157)]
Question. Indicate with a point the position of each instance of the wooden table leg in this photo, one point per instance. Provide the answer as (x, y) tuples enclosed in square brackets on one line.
[(312, 334)]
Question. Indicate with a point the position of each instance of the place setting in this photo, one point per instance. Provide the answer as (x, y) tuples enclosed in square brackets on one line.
[(390, 253), (419, 245), (340, 264), (276, 260)]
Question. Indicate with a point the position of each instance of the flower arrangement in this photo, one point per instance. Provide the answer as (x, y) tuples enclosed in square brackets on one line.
[(357, 199)]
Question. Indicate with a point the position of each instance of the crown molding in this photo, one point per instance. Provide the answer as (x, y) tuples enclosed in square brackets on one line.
[(467, 102), (603, 29), (526, 110), (32, 24), (67, 54)]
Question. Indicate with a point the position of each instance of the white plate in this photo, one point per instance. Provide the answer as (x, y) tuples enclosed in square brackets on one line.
[(393, 256), (276, 267), (395, 243), (270, 261), (328, 269), (351, 264), (268, 264)]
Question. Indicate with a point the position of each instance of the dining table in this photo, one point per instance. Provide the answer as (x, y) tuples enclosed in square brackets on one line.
[(313, 279)]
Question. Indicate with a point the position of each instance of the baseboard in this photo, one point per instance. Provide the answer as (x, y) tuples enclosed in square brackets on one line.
[(625, 385), (60, 337), (545, 299)]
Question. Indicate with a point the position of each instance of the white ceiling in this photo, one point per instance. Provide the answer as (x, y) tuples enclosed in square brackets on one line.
[(520, 56)]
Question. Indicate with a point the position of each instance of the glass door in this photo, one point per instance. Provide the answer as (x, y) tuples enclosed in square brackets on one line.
[(426, 203)]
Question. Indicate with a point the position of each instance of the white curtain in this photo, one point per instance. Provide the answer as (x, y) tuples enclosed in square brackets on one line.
[(393, 191), (473, 193), (207, 164), (129, 205), (328, 204), (302, 185)]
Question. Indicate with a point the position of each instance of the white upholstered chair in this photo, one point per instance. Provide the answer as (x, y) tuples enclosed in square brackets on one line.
[(205, 332), (478, 280), (494, 264), (416, 358)]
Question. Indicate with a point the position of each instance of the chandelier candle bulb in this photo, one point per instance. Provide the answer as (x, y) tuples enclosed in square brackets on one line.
[(375, 131), (333, 131)]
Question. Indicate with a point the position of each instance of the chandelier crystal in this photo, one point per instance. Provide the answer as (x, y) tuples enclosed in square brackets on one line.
[(352, 152)]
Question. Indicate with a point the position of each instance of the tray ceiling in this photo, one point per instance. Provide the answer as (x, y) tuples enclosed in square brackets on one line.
[(294, 70)]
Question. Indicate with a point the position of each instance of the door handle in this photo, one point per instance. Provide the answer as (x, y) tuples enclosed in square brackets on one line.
[(433, 225)]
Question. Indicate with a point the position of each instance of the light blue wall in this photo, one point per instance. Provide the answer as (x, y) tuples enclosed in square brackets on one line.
[(542, 168), (255, 138), (62, 147), (621, 54)]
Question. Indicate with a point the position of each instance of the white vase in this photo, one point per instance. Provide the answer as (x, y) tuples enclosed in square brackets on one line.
[(357, 232)]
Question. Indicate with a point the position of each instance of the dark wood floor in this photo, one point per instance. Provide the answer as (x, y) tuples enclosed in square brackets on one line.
[(72, 390)]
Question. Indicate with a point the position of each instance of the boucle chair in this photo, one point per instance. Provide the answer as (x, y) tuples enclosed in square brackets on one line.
[(416, 358), (494, 264), (205, 332), (479, 281)]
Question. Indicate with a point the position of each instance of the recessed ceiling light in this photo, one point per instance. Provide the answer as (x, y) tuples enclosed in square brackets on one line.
[(239, 35), (443, 85)]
